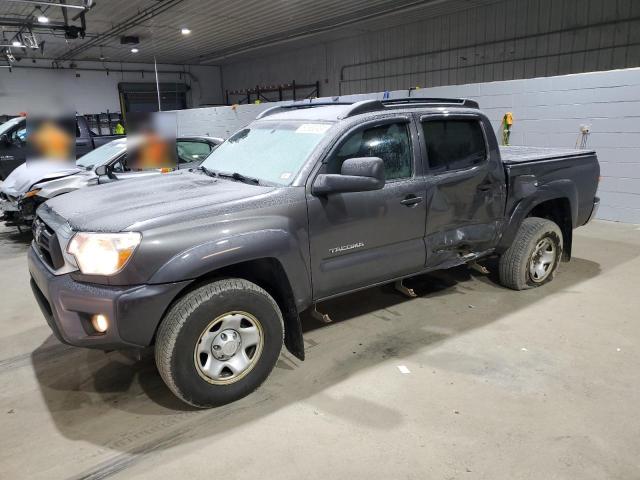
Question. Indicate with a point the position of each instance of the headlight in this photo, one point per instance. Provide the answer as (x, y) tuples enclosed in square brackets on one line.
[(103, 253)]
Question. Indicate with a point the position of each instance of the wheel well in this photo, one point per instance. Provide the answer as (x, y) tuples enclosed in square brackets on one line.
[(268, 274), (558, 211)]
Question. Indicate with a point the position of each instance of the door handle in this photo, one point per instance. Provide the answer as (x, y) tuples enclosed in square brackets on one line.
[(485, 187), (411, 200)]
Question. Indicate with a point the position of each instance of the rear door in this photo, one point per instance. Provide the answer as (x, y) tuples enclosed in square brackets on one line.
[(361, 238), (465, 188)]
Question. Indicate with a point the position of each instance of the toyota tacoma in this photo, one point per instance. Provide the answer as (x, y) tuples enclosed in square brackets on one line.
[(310, 201)]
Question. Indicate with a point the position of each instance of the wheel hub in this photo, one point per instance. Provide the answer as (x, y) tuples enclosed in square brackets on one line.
[(228, 348), (226, 344), (542, 260)]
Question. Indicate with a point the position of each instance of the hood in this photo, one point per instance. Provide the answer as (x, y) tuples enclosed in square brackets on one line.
[(158, 199), (28, 174), (57, 186)]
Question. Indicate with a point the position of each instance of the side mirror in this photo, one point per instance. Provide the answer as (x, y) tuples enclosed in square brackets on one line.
[(357, 175), (103, 170), (4, 139)]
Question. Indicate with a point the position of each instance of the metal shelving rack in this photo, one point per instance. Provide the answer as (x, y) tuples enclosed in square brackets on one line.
[(273, 93), (103, 123)]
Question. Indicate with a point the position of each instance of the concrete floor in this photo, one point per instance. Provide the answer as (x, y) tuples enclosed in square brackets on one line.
[(502, 385)]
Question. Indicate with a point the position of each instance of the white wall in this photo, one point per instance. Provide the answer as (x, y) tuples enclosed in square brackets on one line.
[(548, 112), (43, 89)]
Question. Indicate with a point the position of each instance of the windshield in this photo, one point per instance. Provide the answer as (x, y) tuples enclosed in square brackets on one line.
[(9, 124), (272, 152), (102, 155)]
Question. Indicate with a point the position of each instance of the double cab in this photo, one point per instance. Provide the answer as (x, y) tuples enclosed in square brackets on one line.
[(212, 267)]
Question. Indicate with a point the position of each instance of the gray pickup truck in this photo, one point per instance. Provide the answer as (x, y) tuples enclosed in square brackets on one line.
[(310, 201)]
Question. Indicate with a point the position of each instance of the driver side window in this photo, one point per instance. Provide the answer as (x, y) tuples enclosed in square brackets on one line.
[(19, 136), (389, 142), (121, 165)]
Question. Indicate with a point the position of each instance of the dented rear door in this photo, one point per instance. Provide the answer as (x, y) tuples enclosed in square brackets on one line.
[(465, 187)]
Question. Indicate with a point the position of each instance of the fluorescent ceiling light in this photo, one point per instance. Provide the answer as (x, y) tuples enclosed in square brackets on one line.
[(134, 50), (185, 31), (16, 43), (43, 19)]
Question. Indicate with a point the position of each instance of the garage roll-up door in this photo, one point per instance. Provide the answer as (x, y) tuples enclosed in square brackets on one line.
[(143, 97)]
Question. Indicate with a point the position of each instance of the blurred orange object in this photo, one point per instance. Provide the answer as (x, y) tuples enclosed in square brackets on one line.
[(154, 152), (52, 142)]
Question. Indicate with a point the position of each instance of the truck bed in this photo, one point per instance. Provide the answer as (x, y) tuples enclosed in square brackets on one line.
[(516, 154), (554, 166)]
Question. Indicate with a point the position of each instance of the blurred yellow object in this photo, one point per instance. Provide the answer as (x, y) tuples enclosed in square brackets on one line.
[(32, 193), (508, 118), (507, 123)]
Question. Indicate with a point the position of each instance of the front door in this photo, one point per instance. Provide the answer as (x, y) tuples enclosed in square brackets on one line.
[(13, 153), (362, 238), (465, 189)]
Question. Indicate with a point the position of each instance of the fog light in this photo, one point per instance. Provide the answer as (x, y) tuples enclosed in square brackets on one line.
[(100, 323)]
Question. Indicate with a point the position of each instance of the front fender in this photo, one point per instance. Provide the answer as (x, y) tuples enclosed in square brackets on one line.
[(213, 255), (553, 190)]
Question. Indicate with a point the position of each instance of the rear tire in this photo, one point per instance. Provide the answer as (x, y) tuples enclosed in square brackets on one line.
[(533, 257), (219, 342)]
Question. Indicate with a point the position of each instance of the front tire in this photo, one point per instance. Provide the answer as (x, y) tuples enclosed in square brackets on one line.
[(533, 257), (219, 342)]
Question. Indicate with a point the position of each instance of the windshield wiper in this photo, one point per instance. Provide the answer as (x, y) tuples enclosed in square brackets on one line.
[(208, 172), (232, 175), (239, 177)]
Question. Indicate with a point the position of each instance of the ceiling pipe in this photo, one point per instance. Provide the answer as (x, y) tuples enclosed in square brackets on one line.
[(52, 4), (133, 21), (107, 70)]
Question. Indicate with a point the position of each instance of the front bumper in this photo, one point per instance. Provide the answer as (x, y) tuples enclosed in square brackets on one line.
[(13, 213), (134, 312)]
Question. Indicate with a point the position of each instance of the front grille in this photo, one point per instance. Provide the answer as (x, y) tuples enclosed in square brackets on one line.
[(46, 242)]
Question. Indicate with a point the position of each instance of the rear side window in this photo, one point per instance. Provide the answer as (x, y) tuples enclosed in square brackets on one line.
[(389, 142), (454, 144)]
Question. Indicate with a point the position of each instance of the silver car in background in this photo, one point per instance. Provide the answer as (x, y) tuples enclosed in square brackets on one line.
[(28, 186)]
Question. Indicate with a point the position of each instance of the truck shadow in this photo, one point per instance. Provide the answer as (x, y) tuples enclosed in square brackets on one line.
[(123, 406)]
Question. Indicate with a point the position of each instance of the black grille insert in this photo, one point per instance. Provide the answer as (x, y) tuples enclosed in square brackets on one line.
[(47, 244)]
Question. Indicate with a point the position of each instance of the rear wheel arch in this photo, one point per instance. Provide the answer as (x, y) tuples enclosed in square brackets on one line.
[(556, 208)]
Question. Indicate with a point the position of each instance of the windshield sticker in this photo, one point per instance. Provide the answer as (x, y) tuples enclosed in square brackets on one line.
[(316, 128), (285, 176)]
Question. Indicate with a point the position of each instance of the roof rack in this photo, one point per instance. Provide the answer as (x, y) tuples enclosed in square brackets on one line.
[(297, 106), (366, 106)]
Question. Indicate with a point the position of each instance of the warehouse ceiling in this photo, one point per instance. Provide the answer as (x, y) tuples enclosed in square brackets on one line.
[(219, 31)]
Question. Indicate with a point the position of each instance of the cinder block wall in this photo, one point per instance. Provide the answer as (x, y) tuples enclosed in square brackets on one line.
[(548, 112)]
